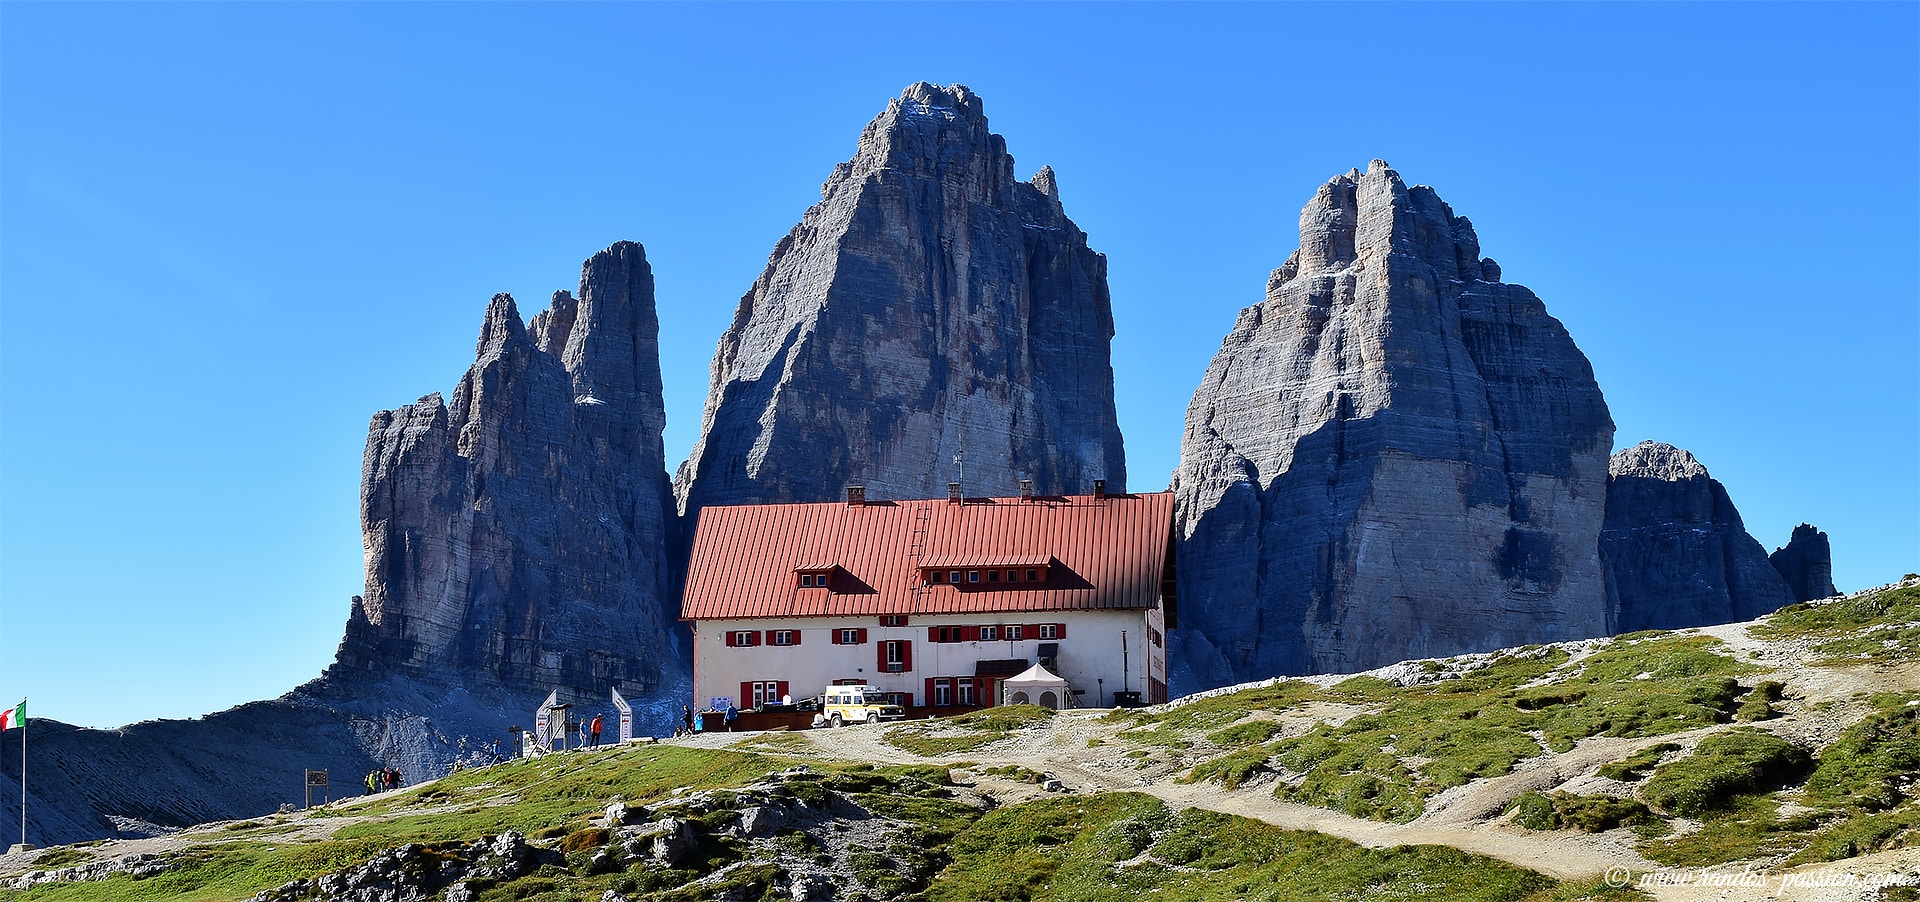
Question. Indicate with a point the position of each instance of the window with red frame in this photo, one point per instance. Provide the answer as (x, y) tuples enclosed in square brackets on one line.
[(896, 656)]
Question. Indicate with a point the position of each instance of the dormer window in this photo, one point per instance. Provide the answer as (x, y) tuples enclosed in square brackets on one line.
[(815, 576), (983, 572)]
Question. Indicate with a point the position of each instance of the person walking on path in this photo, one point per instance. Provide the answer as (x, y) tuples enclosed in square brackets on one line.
[(595, 729), (686, 720), (373, 782), (732, 714)]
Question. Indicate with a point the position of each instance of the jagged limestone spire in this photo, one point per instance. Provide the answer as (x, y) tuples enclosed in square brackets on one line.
[(930, 305)]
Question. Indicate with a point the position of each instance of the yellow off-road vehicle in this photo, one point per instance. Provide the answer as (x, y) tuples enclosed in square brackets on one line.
[(855, 704)]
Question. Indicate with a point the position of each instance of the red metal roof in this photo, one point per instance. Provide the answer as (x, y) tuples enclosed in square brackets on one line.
[(1109, 553)]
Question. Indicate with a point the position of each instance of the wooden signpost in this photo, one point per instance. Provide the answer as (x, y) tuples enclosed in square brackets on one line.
[(317, 778)]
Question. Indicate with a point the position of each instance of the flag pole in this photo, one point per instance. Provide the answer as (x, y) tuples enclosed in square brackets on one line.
[(23, 772)]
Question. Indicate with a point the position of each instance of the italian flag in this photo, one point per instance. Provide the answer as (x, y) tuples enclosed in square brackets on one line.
[(14, 716)]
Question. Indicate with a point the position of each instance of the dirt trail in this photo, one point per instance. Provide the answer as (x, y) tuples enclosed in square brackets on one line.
[(1061, 750)]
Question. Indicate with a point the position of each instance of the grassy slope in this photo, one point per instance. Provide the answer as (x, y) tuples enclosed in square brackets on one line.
[(1128, 845), (543, 797), (1851, 797), (1101, 846), (1417, 741)]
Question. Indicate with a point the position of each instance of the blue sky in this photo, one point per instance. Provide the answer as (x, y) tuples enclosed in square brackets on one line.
[(229, 233)]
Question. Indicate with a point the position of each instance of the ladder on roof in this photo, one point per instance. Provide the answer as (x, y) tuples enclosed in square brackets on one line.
[(916, 549)]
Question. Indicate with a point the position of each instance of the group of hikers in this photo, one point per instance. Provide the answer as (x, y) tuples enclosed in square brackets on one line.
[(382, 779), (592, 729), (686, 719)]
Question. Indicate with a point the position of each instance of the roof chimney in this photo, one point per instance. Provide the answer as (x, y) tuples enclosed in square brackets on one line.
[(953, 493), (856, 495), (1026, 490), (1099, 490)]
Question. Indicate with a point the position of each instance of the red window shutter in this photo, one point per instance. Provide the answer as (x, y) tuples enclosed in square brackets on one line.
[(755, 638), (880, 652), (906, 657), (860, 639), (746, 693), (933, 633), (906, 699), (796, 637), (782, 689), (1060, 632), (930, 690)]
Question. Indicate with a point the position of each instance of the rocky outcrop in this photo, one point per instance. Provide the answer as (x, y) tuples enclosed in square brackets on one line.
[(1677, 553), (138, 866), (519, 534), (516, 543), (417, 873), (930, 305), (1806, 563), (758, 823), (1395, 455)]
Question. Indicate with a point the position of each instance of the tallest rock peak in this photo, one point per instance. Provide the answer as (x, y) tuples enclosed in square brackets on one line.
[(935, 133), (931, 306), (925, 98)]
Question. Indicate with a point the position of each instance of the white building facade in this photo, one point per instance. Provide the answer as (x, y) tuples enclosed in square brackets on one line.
[(934, 602)]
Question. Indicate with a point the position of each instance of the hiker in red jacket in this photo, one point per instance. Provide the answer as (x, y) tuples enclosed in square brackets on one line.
[(595, 729)]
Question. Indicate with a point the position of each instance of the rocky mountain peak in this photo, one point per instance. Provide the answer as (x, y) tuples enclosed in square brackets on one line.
[(1806, 563), (1359, 217), (923, 100), (500, 327), (1677, 552), (1390, 456), (518, 537), (933, 132), (1655, 460), (930, 306)]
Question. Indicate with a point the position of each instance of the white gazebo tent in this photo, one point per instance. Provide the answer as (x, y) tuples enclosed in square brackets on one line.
[(1036, 686)]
